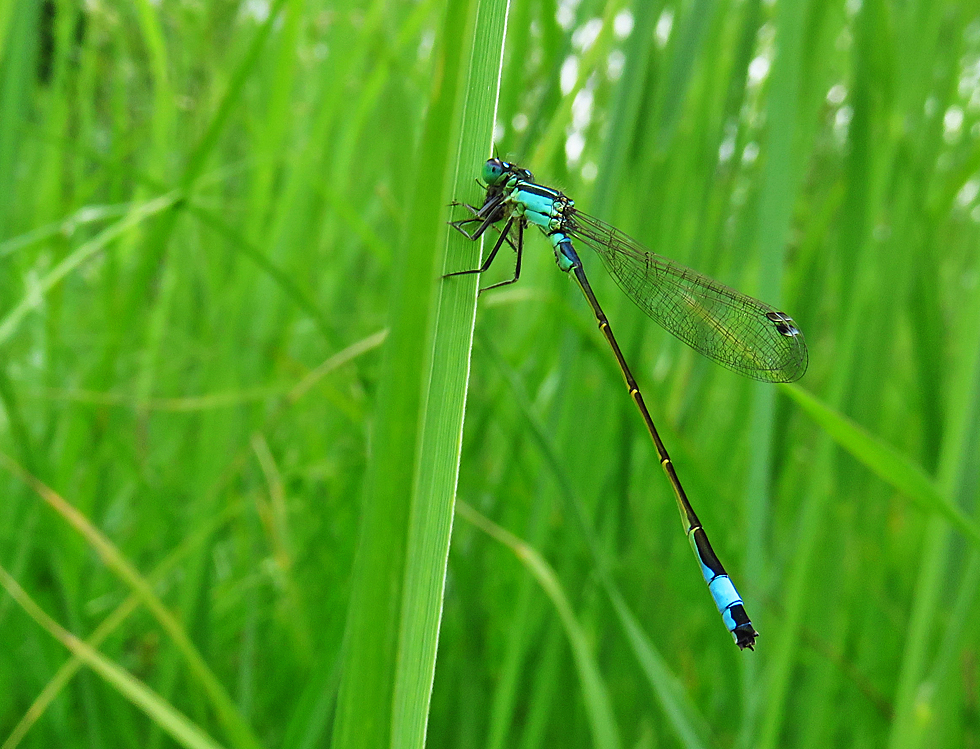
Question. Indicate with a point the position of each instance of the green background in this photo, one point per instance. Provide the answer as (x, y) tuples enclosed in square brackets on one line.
[(232, 382)]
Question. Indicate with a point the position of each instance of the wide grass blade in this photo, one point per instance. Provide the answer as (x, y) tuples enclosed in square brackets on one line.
[(395, 609)]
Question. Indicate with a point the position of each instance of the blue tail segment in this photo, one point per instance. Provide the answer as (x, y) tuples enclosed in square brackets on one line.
[(727, 599)]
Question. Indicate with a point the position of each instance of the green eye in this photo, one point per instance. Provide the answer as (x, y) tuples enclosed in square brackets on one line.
[(493, 170)]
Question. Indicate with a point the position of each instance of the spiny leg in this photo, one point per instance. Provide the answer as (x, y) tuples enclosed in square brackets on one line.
[(493, 252), (519, 249), (487, 214), (459, 224)]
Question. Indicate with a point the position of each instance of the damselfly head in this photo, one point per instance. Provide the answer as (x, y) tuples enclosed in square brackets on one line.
[(496, 171)]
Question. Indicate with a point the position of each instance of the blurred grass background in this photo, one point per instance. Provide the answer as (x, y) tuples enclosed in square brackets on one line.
[(213, 214)]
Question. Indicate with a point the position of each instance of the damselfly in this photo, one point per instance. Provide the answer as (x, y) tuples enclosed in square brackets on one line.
[(733, 329)]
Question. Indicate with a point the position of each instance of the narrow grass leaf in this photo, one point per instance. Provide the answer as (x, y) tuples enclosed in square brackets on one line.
[(182, 730), (233, 722), (885, 461), (594, 692), (447, 373), (35, 295)]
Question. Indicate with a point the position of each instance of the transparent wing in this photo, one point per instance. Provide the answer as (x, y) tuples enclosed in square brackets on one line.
[(733, 329)]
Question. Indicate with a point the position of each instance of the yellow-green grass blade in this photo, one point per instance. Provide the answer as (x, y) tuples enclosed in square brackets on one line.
[(109, 625), (595, 694), (35, 296), (180, 728), (239, 732)]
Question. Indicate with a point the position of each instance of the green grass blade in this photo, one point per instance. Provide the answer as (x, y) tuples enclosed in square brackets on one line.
[(237, 728), (394, 614), (444, 392), (182, 730), (886, 462), (781, 170), (917, 710), (690, 727), (594, 691)]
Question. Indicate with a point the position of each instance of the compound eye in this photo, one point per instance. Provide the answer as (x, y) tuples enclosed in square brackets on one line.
[(493, 169)]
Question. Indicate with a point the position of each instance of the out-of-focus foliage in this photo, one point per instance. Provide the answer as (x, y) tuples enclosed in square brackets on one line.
[(204, 208)]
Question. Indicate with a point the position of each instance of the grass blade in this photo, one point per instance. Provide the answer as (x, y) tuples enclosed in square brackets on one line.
[(885, 461), (394, 614), (163, 713), (594, 692)]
